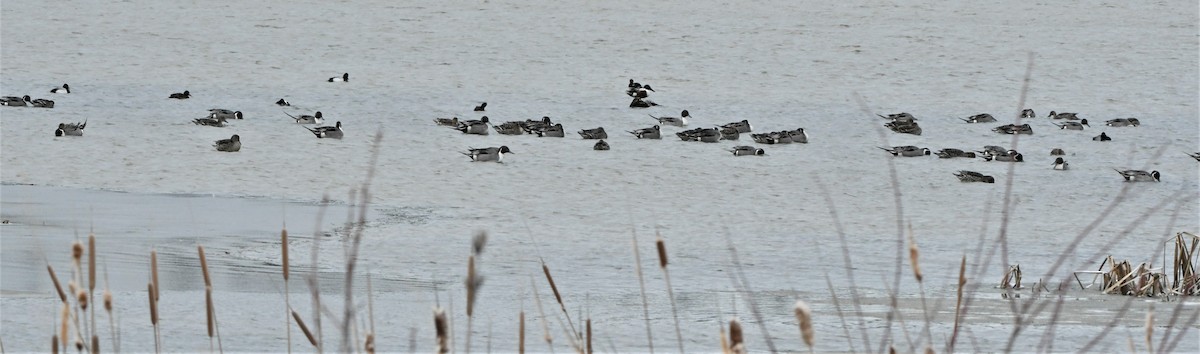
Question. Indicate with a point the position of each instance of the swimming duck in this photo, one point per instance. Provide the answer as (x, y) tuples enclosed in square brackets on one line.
[(972, 176), (1014, 129), (283, 103), (706, 135), (181, 95), (234, 143), (648, 133), (907, 150), (1073, 125), (532, 126), (904, 127), (510, 128), (1060, 164), (744, 150), (1140, 176), (228, 114), (993, 150), (594, 133), (481, 107), (475, 126), (307, 119), (951, 153), (42, 103), (899, 117), (1028, 113), (1010, 156), (344, 78), (73, 129), (446, 122), (334, 132), (798, 136), (14, 101), (680, 121), (601, 146), (219, 121), (980, 118), (1064, 115), (1057, 152), (1102, 137), (553, 131), (488, 154), (1123, 122), (63, 89), (728, 133), (640, 102), (742, 127), (1195, 156)]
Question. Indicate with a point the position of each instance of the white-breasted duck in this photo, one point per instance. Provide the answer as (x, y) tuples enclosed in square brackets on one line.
[(980, 118), (553, 131), (744, 150), (1028, 113), (1123, 122), (61, 89), (1071, 125), (1014, 129), (14, 101), (972, 176), (488, 154), (907, 151), (307, 119), (212, 121), (594, 133), (344, 78), (228, 114), (680, 121), (1010, 156), (1140, 176), (1102, 137), (72, 129), (1060, 164), (474, 126), (327, 132), (654, 132)]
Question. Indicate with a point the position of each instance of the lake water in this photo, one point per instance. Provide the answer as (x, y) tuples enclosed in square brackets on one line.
[(144, 177)]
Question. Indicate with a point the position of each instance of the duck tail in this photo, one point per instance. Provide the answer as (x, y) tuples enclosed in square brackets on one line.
[(965, 120), (290, 115)]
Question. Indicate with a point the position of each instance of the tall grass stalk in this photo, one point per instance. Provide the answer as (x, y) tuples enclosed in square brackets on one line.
[(287, 294), (847, 264), (637, 266), (662, 264)]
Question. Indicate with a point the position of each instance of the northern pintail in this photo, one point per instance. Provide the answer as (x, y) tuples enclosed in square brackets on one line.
[(707, 135), (307, 119), (1060, 164), (594, 133), (972, 176), (907, 150), (218, 121), (283, 103), (993, 150), (481, 107), (14, 101), (181, 95), (744, 150), (1140, 176), (798, 136), (72, 129), (1064, 115), (728, 133), (344, 78), (553, 131), (680, 121), (1123, 122), (1057, 152), (42, 103), (904, 127), (474, 126), (327, 132), (533, 126), (1010, 156), (510, 128), (654, 132), (234, 143), (980, 118), (1101, 137), (228, 114), (1028, 113), (488, 154), (1195, 156), (62, 89), (1070, 125), (742, 126), (446, 122), (601, 146), (952, 153), (899, 117), (639, 102), (1014, 129)]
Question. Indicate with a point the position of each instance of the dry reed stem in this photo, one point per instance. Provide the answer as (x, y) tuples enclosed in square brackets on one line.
[(637, 265), (662, 263), (442, 331), (804, 318), (724, 340), (847, 264), (736, 344), (472, 282), (1150, 330), (57, 286), (303, 328), (958, 309), (914, 254), (537, 299), (371, 310), (283, 241), (203, 266), (521, 333), (558, 297), (65, 326)]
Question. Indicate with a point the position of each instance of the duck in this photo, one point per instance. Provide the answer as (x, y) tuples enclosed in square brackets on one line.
[(728, 133), (798, 136), (1028, 113), (1073, 125), (212, 121), (972, 176), (594, 133), (1010, 156), (234, 143), (1014, 129), (1123, 122), (641, 102), (745, 150), (61, 89), (980, 118), (14, 101), (42, 103), (481, 107), (654, 132), (1195, 156), (1057, 152), (181, 95), (601, 146), (510, 128), (474, 126), (283, 103), (899, 117), (228, 114), (1060, 164), (532, 126), (1140, 176), (952, 153), (334, 132), (993, 150), (1064, 115), (904, 127), (553, 131), (72, 129), (344, 78), (680, 121), (1102, 137), (907, 151), (446, 122), (488, 154), (307, 119), (742, 126)]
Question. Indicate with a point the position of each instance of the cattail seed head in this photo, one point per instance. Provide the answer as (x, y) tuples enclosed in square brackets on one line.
[(311, 339), (913, 254), (204, 265), (92, 262), (369, 345), (735, 336), (54, 344), (804, 318), (478, 243), (662, 252), (154, 274), (82, 297), (929, 350), (76, 251), (108, 300), (153, 304), (473, 281), (78, 345), (57, 286), (284, 242), (442, 330), (553, 288), (95, 344), (208, 304)]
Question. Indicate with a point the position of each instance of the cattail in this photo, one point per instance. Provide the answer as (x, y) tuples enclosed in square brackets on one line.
[(1150, 330), (557, 297), (804, 317), (54, 344), (72, 288), (154, 273), (76, 251), (589, 336), (208, 302), (64, 328), (369, 345), (472, 283), (913, 255), (478, 242), (312, 340), (439, 325), (95, 344), (284, 242), (91, 262), (204, 265), (153, 304), (108, 301), (662, 263), (521, 334), (735, 337), (929, 350), (891, 349), (78, 345), (82, 296), (58, 287), (662, 252)]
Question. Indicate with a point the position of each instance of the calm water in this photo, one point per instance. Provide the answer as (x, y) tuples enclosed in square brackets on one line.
[(145, 177)]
